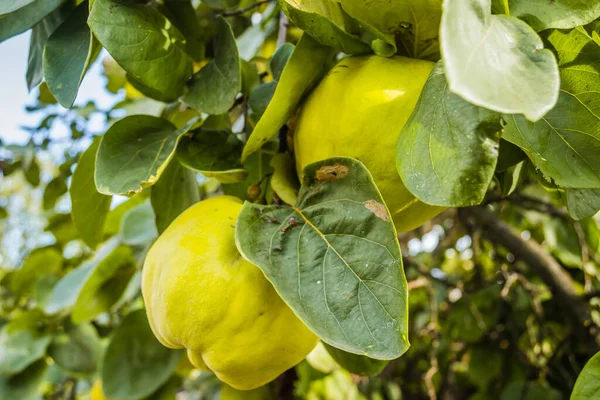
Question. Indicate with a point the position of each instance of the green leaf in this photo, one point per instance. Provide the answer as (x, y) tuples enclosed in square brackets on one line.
[(26, 17), (530, 391), (473, 315), (357, 364), (509, 155), (510, 178), (39, 36), (182, 14), (563, 242), (39, 262), (326, 22), (88, 207), (587, 386), (284, 180), (138, 227), (9, 6), (26, 385), (214, 153), (68, 54), (448, 149), (21, 343), (334, 258), (112, 225), (67, 290), (134, 152), (173, 194), (543, 14), (583, 204), (104, 285), (135, 363), (77, 349), (258, 167), (32, 172), (144, 43), (497, 61), (565, 143), (279, 60), (54, 191), (215, 86), (417, 21), (303, 69)]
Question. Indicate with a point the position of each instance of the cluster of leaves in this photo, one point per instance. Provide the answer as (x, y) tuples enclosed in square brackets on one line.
[(507, 117)]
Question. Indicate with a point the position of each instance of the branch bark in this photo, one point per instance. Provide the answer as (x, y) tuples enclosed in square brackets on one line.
[(549, 270)]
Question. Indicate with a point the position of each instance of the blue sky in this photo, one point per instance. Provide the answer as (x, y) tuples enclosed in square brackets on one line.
[(13, 89)]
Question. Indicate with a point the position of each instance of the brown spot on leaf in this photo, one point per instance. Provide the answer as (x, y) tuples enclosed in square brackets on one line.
[(328, 173), (378, 209)]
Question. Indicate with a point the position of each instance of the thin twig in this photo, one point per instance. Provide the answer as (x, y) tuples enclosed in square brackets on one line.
[(243, 10), (283, 29)]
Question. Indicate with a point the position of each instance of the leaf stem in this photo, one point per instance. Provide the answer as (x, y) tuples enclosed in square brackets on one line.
[(506, 7)]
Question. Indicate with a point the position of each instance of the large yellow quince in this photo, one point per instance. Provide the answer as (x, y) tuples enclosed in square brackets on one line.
[(358, 110), (201, 295)]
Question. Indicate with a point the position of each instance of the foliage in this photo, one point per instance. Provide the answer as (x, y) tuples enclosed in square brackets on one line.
[(497, 297)]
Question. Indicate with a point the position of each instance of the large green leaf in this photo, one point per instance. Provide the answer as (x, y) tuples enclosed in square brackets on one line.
[(448, 149), (565, 143), (215, 86), (357, 364), (583, 203), (173, 194), (544, 14), (77, 349), (145, 43), (68, 54), (134, 152), (88, 207), (138, 227), (326, 22), (183, 15), (26, 17), (8, 6), (214, 153), (497, 61), (334, 258), (26, 385), (135, 363), (587, 386), (306, 65), (417, 21), (21, 343), (39, 262)]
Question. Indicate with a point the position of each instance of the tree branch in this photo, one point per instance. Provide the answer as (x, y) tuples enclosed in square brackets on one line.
[(243, 10), (549, 270)]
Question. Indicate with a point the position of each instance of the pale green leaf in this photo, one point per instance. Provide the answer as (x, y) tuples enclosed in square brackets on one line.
[(544, 14), (88, 207), (587, 386), (8, 6), (77, 349), (306, 65), (583, 203), (135, 363), (138, 227), (496, 61), (68, 54), (565, 143), (334, 258), (26, 17), (214, 87), (134, 152), (326, 22), (448, 149), (214, 153), (173, 194), (145, 43)]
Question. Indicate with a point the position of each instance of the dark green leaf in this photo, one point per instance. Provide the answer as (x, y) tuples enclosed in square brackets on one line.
[(9, 6), (134, 152), (214, 153), (26, 385), (280, 59), (32, 172), (68, 54), (39, 262), (26, 17), (144, 43), (77, 349), (258, 166), (54, 191), (334, 258), (357, 364), (173, 194), (448, 149), (135, 363), (565, 143), (304, 68), (587, 386), (543, 14), (509, 156), (326, 22), (497, 61), (215, 86), (583, 203), (88, 207), (182, 14)]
